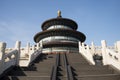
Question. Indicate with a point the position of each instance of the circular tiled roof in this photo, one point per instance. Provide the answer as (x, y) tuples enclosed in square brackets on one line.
[(59, 32), (59, 21)]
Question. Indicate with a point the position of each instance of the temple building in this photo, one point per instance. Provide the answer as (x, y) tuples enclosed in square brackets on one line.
[(48, 59), (59, 35)]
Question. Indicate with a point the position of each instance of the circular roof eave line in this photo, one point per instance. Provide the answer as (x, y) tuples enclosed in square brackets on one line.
[(58, 32)]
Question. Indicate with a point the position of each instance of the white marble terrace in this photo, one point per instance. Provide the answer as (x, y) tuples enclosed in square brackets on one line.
[(23, 56)]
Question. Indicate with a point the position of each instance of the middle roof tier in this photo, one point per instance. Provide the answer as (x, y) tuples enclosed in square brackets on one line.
[(60, 32)]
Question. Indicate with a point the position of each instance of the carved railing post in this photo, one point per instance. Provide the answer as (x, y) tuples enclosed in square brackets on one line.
[(93, 48), (104, 54), (41, 44), (115, 46), (17, 47), (88, 48), (28, 48), (80, 46), (2, 56), (118, 46), (33, 48), (38, 46), (83, 47)]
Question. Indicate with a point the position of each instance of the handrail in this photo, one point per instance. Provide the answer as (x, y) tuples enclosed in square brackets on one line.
[(86, 52), (54, 69), (111, 57), (34, 55), (67, 67), (10, 59), (7, 60), (14, 56), (70, 75), (66, 61), (31, 56), (57, 59), (11, 53), (69, 71)]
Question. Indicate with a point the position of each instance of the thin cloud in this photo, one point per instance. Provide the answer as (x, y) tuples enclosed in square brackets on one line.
[(13, 31)]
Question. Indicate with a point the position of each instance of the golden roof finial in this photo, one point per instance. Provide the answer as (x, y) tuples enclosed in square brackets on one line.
[(59, 13)]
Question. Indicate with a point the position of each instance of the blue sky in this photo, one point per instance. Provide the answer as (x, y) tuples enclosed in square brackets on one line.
[(22, 19)]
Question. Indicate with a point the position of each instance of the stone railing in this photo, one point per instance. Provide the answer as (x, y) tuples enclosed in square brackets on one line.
[(10, 59), (17, 56), (29, 53), (87, 52), (111, 56)]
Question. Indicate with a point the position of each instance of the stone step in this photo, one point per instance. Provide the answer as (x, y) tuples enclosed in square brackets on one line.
[(84, 67), (99, 77), (31, 73), (61, 73), (76, 60), (44, 69), (28, 78), (45, 58), (79, 62), (93, 72), (44, 64), (34, 68), (61, 78), (75, 55)]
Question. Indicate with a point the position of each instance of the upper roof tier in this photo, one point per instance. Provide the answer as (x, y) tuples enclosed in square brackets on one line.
[(59, 21)]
